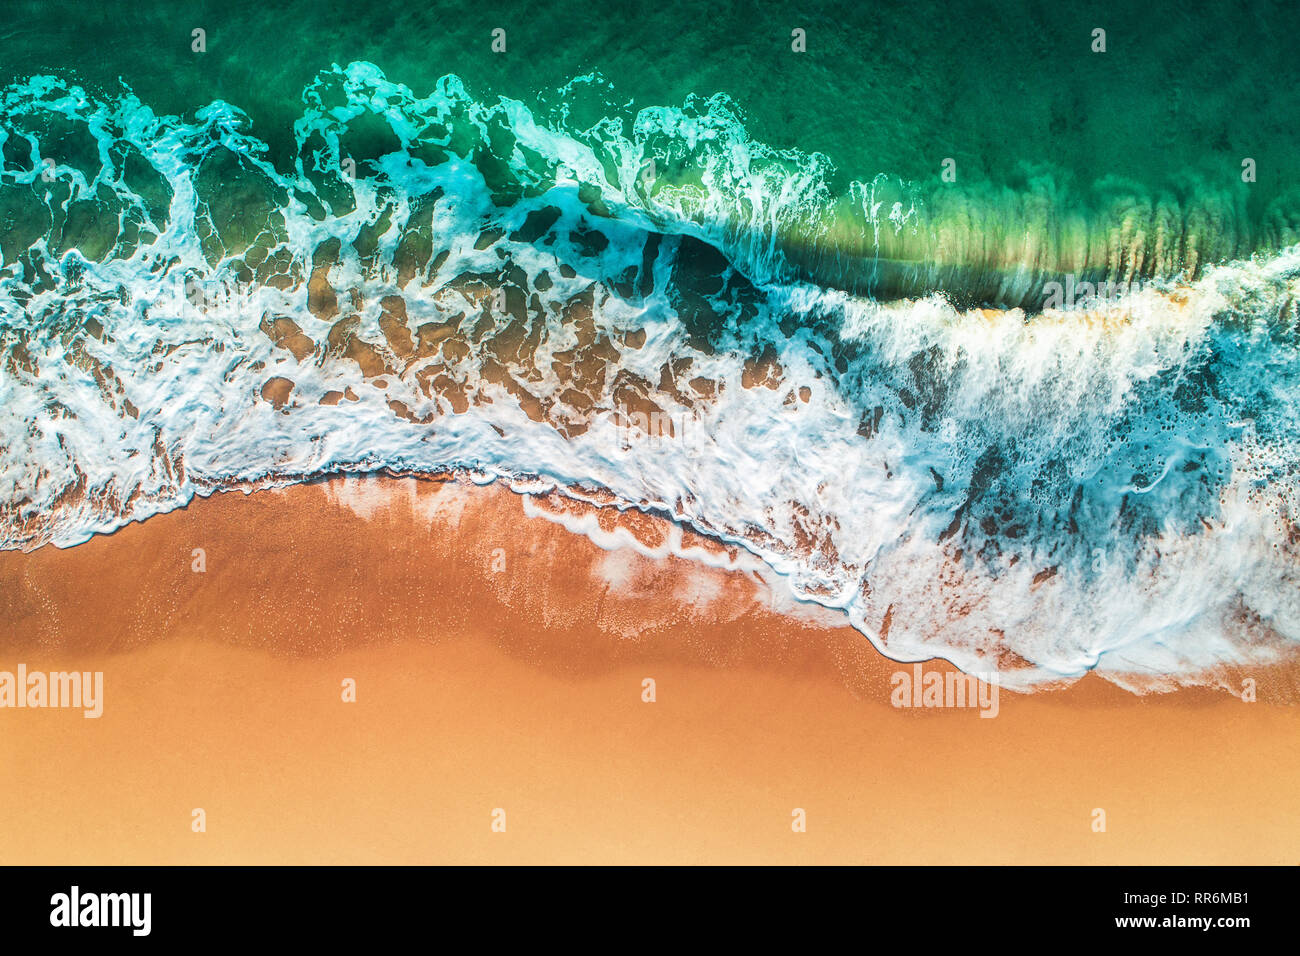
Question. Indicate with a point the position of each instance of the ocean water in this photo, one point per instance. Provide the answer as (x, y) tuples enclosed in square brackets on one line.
[(1037, 420)]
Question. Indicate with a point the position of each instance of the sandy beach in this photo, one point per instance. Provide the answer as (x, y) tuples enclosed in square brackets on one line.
[(500, 662)]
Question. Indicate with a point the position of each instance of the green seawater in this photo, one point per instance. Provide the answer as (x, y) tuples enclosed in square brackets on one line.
[(1120, 164)]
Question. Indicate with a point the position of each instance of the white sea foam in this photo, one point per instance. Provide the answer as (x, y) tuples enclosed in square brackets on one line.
[(1046, 496)]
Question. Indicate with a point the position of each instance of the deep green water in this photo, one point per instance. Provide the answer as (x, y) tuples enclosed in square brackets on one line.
[(1050, 139), (883, 87)]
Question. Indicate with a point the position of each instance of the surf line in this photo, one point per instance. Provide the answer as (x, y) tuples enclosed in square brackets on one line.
[(84, 689)]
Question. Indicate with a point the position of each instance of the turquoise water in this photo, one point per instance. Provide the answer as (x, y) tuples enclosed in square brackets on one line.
[(1070, 159)]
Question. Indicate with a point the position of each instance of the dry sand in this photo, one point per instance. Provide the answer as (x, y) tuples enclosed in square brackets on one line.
[(499, 662)]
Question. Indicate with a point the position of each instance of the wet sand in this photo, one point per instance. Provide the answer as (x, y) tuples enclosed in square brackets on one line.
[(499, 663)]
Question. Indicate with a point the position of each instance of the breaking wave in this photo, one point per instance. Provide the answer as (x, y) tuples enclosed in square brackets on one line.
[(872, 392)]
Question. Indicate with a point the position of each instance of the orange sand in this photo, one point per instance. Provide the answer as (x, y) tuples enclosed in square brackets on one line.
[(512, 679)]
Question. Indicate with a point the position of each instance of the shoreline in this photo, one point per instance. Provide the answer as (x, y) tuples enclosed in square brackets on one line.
[(611, 526), (521, 688)]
